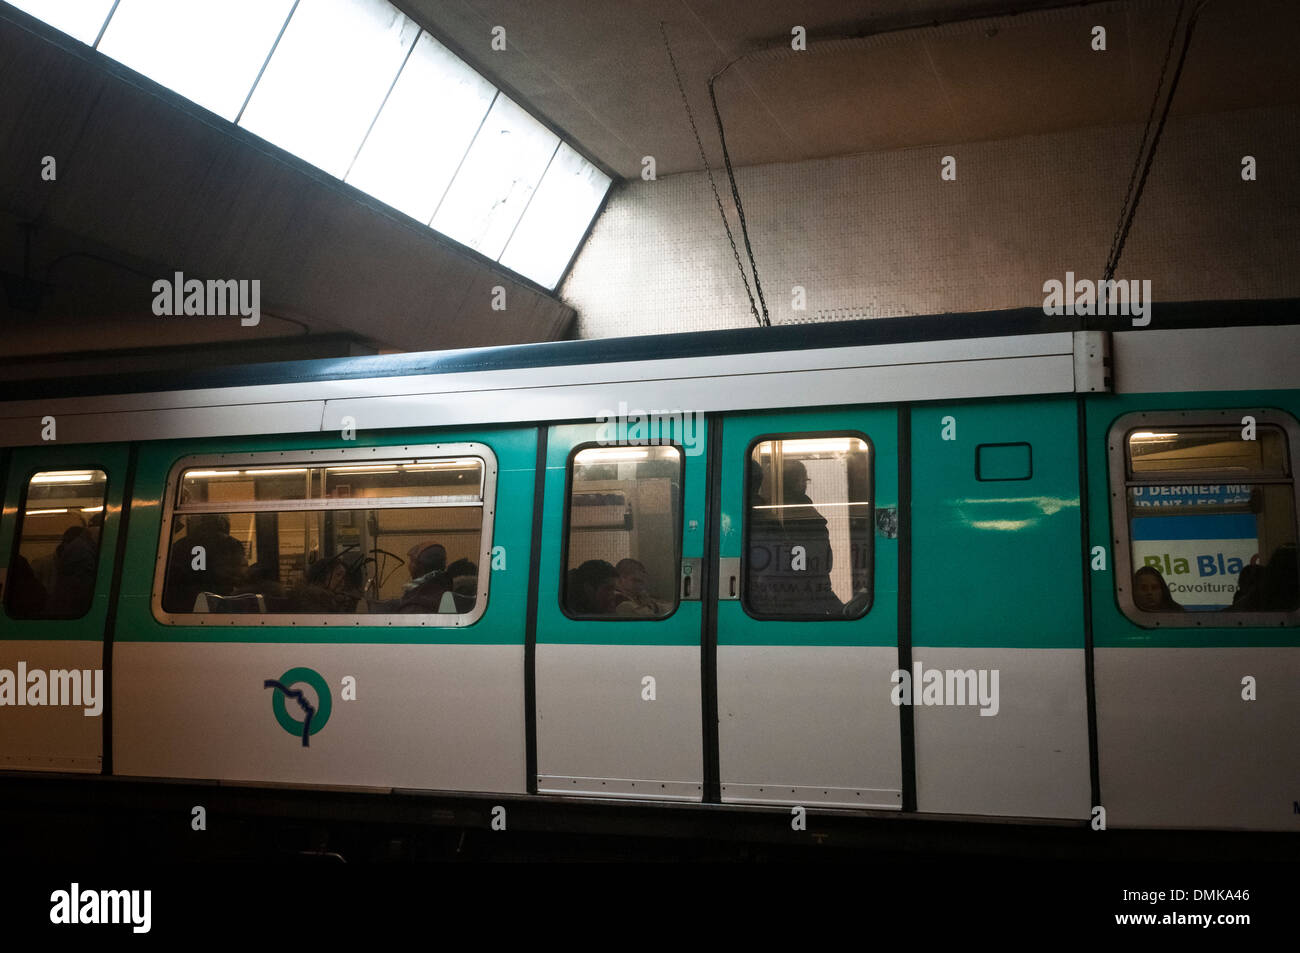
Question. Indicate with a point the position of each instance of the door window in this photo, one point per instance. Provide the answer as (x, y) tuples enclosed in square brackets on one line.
[(623, 532), (53, 572), (808, 527)]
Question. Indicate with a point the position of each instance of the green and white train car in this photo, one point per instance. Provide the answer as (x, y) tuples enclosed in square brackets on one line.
[(993, 565)]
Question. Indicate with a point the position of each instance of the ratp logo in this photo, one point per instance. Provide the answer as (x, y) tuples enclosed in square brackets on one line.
[(315, 714)]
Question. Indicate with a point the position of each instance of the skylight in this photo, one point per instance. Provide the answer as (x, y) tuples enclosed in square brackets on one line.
[(557, 217), (356, 88), (80, 19), (328, 77), (497, 178), (423, 132), (226, 43)]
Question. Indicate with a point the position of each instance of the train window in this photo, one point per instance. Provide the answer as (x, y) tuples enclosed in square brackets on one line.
[(1205, 509), (623, 533), (54, 569), (407, 539), (808, 527)]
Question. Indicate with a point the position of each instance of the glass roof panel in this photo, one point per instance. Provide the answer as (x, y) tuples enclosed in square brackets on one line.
[(328, 77), (355, 88), (209, 51), (423, 131), (557, 218), (82, 19), (497, 178)]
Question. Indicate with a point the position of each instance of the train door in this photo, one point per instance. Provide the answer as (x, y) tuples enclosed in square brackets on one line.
[(807, 613), (58, 535), (618, 643), (997, 610)]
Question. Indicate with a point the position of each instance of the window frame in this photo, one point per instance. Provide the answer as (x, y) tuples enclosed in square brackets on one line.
[(746, 509), (981, 478), (16, 548), (325, 457), (1118, 468), (678, 536)]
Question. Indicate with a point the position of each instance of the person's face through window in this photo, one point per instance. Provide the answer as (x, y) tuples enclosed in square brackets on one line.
[(796, 482), (605, 596), (1148, 594), (633, 581)]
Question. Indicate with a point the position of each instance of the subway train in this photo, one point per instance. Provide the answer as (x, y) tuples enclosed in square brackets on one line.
[(1005, 566)]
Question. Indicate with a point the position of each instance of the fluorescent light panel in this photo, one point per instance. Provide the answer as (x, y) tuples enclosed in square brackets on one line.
[(70, 476)]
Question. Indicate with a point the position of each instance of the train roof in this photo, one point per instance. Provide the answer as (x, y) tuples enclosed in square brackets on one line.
[(748, 340), (1200, 346)]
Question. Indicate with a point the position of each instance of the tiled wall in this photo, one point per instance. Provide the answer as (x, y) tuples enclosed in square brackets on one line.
[(881, 234)]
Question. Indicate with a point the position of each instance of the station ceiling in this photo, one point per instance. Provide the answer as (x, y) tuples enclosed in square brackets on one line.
[(876, 75), (150, 185)]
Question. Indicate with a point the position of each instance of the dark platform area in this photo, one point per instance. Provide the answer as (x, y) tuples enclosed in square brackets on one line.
[(49, 818)]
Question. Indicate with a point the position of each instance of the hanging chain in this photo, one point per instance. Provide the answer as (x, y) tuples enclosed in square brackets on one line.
[(1130, 197), (740, 209), (753, 308)]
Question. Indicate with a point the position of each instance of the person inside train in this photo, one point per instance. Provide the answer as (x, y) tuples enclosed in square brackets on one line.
[(427, 564), (764, 550), (424, 559), (1151, 592), (95, 526), (1276, 587), (43, 568), (634, 598), (806, 583), (1286, 578), (223, 556), (1285, 571), (1246, 583), (331, 585), (262, 578), (464, 584), (24, 595), (46, 567), (76, 560), (756, 498), (593, 589)]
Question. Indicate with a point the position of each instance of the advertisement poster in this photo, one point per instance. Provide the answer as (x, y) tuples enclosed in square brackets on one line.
[(1200, 557)]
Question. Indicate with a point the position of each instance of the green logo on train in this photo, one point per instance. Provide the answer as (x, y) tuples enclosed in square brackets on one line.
[(314, 716)]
